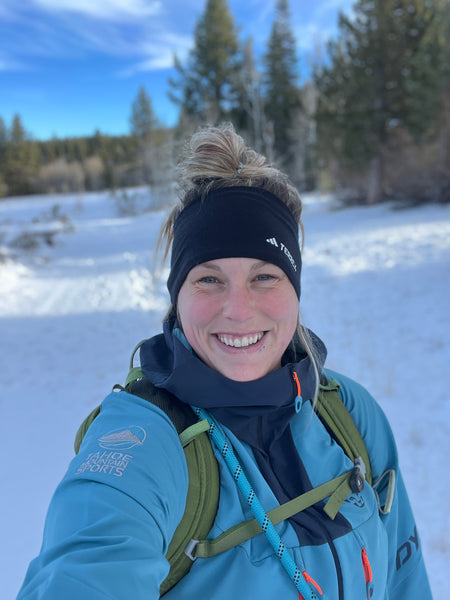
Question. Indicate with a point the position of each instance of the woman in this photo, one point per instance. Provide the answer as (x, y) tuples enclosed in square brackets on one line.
[(233, 347)]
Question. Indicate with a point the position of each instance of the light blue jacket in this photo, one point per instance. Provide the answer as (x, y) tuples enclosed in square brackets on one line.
[(113, 515)]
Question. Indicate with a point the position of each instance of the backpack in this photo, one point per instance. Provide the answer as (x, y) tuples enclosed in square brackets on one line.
[(189, 540)]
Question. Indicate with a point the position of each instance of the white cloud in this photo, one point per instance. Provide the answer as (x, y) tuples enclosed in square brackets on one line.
[(309, 37), (313, 35), (103, 9), (333, 7), (164, 60), (150, 42), (159, 54), (168, 41)]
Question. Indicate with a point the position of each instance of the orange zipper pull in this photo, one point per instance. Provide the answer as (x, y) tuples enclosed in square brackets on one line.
[(367, 573), (298, 399), (309, 579)]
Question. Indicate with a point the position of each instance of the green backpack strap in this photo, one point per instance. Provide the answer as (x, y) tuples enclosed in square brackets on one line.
[(82, 429), (203, 491), (201, 508), (246, 530), (336, 417)]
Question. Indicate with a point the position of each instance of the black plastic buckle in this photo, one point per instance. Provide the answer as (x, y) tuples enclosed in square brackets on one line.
[(357, 477)]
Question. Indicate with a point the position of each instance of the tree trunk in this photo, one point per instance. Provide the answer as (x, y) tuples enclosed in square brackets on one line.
[(444, 134), (374, 187)]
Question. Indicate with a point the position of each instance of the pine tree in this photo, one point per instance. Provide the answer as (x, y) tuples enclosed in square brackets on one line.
[(204, 86), (152, 154), (3, 145), (444, 106), (3, 134), (365, 92), (281, 91), (22, 159), (142, 120), (429, 92), (248, 112)]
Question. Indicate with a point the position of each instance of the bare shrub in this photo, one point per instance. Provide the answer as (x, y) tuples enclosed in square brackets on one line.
[(3, 187), (126, 203), (411, 170), (42, 230), (407, 171), (61, 177), (55, 216), (162, 195), (94, 170), (26, 240), (130, 203), (126, 175)]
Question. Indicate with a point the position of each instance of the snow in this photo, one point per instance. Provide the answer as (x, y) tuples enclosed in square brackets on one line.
[(375, 288)]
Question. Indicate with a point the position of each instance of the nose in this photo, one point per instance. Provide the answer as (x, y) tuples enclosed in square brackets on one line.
[(239, 303)]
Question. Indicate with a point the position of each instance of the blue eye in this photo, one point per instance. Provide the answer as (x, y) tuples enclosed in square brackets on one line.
[(265, 277), (208, 279)]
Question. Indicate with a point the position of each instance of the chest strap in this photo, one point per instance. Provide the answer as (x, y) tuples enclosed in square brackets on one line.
[(336, 489)]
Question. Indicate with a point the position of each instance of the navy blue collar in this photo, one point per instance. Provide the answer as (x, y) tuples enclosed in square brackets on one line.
[(256, 411)]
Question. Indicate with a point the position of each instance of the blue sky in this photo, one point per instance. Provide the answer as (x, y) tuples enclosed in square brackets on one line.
[(69, 67)]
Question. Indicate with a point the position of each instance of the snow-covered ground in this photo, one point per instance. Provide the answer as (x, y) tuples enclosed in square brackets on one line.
[(376, 288)]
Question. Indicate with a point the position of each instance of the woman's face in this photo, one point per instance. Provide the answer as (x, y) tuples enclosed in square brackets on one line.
[(239, 315)]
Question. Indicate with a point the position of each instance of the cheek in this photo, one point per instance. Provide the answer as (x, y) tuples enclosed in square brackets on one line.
[(284, 309), (196, 311)]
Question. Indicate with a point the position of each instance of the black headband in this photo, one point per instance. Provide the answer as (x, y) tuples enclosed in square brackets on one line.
[(230, 222)]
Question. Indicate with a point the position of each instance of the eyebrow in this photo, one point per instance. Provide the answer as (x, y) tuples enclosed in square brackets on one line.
[(208, 265), (213, 267)]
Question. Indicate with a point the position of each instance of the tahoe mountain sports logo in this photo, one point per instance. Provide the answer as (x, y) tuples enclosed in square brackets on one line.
[(123, 439), (113, 459)]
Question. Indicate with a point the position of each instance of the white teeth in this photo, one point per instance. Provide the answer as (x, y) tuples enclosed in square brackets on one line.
[(243, 342)]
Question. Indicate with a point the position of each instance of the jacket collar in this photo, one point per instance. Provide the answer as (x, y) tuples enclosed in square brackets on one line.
[(256, 411)]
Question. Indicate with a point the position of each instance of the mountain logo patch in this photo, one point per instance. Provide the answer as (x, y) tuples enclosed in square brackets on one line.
[(123, 439)]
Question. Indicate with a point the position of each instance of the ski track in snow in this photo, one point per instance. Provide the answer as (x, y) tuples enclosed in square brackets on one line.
[(375, 288)]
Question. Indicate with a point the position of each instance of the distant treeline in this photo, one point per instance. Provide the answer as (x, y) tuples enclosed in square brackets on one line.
[(76, 164), (372, 123)]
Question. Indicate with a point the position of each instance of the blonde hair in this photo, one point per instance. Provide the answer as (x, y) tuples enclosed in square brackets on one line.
[(217, 157)]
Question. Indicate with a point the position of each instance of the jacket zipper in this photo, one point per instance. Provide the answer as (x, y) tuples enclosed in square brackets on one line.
[(337, 566), (367, 573)]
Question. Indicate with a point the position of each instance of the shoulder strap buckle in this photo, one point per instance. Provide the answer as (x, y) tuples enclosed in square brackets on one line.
[(358, 476), (190, 549)]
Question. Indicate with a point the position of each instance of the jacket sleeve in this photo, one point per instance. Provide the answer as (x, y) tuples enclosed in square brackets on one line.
[(113, 515), (407, 577)]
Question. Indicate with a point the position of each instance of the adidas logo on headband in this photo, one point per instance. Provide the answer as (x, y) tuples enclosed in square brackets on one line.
[(283, 248)]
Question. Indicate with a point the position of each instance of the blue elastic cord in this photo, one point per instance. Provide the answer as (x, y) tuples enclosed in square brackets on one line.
[(225, 448)]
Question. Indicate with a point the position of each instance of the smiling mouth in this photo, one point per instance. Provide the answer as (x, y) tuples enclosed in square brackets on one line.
[(240, 342)]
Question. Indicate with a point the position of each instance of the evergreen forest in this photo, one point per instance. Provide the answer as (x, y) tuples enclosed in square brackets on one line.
[(371, 122)]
